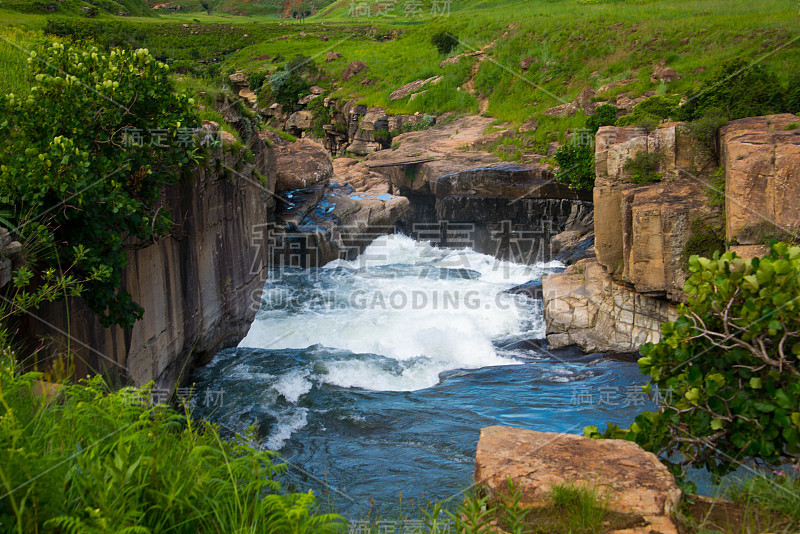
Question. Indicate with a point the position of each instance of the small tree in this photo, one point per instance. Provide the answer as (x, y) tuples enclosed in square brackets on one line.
[(90, 147), (445, 42), (732, 363), (576, 166), (291, 83)]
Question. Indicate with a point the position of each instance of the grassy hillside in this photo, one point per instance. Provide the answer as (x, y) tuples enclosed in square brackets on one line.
[(95, 8), (276, 8), (572, 43)]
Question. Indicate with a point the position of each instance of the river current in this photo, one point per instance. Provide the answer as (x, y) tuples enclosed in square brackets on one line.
[(373, 377)]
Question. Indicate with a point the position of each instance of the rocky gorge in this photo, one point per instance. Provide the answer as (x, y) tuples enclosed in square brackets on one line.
[(307, 202)]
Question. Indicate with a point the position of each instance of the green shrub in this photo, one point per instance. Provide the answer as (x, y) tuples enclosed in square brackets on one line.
[(662, 107), (604, 115), (322, 116), (576, 166), (75, 28), (643, 167), (705, 131), (382, 136), (732, 362), (88, 459), (715, 190), (445, 42), (256, 79), (642, 119), (427, 122), (704, 240), (741, 88), (291, 83), (101, 188)]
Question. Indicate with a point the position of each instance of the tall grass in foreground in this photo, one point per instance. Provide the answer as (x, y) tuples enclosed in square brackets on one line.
[(86, 459), (14, 44)]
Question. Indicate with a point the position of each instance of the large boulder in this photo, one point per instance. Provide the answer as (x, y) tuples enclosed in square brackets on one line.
[(584, 306), (633, 480), (582, 102), (413, 87), (299, 121), (301, 164), (761, 157)]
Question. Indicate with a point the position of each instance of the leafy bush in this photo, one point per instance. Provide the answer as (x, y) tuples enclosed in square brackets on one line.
[(715, 190), (704, 240), (445, 42), (662, 107), (256, 79), (732, 362), (741, 88), (427, 122), (101, 189), (291, 83), (604, 115), (705, 131), (86, 459), (75, 28), (322, 116), (576, 166), (643, 166)]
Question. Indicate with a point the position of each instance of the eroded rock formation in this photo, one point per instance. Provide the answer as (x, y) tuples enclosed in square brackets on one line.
[(584, 306), (619, 300)]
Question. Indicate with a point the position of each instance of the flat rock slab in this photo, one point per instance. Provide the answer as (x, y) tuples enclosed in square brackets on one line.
[(634, 481)]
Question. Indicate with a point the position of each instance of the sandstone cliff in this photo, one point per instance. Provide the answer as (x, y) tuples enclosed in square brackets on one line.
[(200, 287), (641, 231), (618, 301), (761, 158)]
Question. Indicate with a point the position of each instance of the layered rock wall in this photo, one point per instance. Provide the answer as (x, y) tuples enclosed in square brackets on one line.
[(618, 301), (584, 306), (761, 158), (200, 287)]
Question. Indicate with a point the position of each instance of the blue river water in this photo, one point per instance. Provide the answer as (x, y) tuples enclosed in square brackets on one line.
[(372, 378)]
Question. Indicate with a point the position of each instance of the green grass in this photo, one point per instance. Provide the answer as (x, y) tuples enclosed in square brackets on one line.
[(575, 44), (88, 459), (14, 47)]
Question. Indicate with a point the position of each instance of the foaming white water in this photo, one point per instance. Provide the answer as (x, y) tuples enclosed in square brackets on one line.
[(293, 385), (400, 314)]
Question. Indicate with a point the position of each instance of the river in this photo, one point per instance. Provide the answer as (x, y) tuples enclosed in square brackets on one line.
[(373, 377)]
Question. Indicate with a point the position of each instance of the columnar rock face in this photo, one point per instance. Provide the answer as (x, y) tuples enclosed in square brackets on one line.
[(645, 228), (761, 157), (633, 481), (200, 287), (584, 306)]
